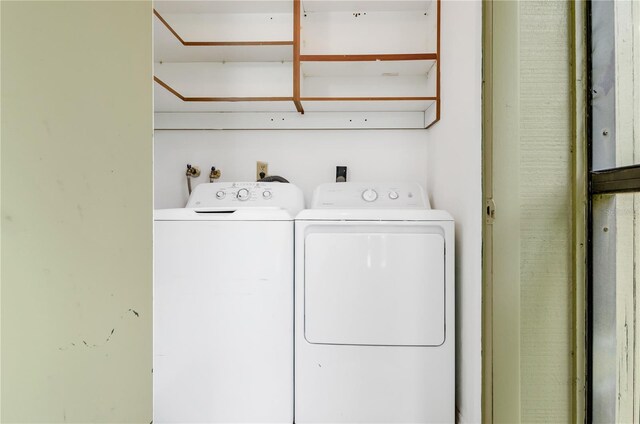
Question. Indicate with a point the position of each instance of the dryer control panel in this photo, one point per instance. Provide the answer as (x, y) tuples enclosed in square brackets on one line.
[(247, 194), (370, 195)]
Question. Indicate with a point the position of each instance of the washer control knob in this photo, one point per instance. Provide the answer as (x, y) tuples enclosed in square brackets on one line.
[(369, 195), (220, 195), (393, 195), (243, 194), (267, 194)]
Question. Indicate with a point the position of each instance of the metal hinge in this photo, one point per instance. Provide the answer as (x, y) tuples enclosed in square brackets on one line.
[(490, 211)]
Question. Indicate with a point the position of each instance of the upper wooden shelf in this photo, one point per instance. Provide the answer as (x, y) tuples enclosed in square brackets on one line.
[(369, 81), (222, 31), (379, 69), (169, 46), (314, 55), (224, 6), (366, 57), (320, 6), (368, 33)]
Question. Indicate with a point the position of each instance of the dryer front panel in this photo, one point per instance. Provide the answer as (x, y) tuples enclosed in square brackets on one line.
[(375, 287)]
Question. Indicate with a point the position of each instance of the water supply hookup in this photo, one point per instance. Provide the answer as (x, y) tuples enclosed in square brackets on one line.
[(192, 171)]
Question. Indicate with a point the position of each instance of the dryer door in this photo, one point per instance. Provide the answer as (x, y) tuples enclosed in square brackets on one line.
[(373, 287)]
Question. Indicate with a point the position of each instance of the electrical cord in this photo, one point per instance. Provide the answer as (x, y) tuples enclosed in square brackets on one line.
[(272, 179)]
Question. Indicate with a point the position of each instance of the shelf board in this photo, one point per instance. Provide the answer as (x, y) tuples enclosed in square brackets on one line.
[(224, 6), (322, 6), (367, 68), (186, 98), (166, 101), (163, 54), (367, 33), (167, 48), (237, 56), (376, 81), (227, 80), (372, 104), (271, 120), (170, 46), (366, 57), (367, 99)]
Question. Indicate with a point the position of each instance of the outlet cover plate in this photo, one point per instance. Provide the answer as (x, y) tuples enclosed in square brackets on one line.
[(261, 167)]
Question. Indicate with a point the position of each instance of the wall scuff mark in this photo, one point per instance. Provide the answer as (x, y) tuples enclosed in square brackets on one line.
[(106, 340)]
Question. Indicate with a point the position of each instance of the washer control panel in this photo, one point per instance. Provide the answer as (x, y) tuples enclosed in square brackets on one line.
[(243, 194), (247, 194), (370, 195)]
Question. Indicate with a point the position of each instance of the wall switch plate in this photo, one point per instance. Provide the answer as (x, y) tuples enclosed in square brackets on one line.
[(262, 170), (341, 174)]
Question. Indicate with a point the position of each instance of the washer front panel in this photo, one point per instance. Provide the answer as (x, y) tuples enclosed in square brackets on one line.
[(222, 327)]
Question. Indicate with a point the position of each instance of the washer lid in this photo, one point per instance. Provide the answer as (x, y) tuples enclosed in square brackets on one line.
[(242, 195), (373, 215), (223, 214)]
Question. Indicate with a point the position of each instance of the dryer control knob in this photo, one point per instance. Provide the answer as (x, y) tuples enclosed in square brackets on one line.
[(243, 194), (369, 195), (266, 194), (393, 195), (220, 194)]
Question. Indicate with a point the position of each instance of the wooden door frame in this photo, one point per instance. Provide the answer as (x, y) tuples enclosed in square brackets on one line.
[(579, 50)]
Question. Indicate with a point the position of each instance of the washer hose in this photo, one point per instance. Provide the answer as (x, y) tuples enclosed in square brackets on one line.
[(272, 179)]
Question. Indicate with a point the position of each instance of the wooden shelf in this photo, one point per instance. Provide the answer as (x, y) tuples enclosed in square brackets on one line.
[(213, 30), (167, 99), (357, 28), (298, 55), (426, 106), (218, 99), (366, 57), (368, 68), (228, 80), (326, 6), (169, 46), (224, 6), (378, 80), (375, 104)]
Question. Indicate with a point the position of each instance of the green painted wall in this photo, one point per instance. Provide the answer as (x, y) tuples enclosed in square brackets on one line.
[(76, 212), (546, 215), (533, 232)]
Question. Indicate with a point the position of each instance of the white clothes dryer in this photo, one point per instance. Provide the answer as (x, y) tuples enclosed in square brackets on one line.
[(374, 307), (223, 305)]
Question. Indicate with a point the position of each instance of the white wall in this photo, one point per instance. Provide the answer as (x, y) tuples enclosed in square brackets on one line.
[(454, 181), (306, 158), (447, 158)]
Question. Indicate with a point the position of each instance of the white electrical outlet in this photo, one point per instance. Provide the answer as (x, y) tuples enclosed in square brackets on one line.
[(262, 170)]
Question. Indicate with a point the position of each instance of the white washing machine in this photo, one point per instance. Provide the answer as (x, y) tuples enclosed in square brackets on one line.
[(222, 305), (374, 299)]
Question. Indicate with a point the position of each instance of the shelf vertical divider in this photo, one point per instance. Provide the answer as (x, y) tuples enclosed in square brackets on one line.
[(296, 56), (438, 61), (437, 105)]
